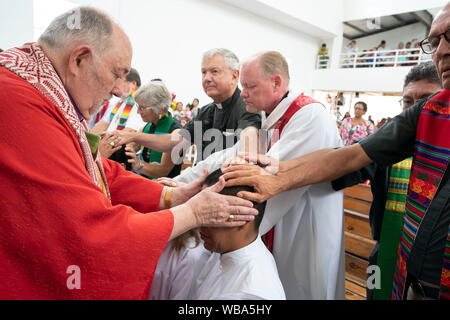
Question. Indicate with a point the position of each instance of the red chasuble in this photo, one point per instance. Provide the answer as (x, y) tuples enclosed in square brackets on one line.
[(58, 230)]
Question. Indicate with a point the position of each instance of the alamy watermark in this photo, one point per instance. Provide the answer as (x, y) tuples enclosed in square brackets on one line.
[(213, 140), (373, 277), (74, 280), (74, 20)]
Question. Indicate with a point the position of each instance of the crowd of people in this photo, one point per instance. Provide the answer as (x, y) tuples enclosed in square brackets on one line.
[(103, 210), (409, 54)]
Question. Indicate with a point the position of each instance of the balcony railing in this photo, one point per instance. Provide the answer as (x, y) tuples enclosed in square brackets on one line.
[(376, 59)]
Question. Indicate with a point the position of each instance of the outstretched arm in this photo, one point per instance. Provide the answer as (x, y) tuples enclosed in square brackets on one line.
[(157, 142), (320, 166)]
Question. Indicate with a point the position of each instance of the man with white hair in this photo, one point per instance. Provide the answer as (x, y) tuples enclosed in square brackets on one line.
[(73, 224), (218, 125)]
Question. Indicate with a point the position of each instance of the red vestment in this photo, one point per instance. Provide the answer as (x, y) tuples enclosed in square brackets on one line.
[(53, 216)]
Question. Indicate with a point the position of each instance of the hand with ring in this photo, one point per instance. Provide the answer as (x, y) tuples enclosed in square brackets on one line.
[(108, 145)]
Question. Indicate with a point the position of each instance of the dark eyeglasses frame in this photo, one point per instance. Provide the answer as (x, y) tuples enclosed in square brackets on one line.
[(427, 41)]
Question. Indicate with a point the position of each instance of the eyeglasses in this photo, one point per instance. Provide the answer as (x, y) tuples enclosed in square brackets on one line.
[(406, 103), (142, 108), (430, 44)]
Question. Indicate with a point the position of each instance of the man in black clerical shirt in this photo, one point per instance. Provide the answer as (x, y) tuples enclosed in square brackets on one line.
[(220, 124)]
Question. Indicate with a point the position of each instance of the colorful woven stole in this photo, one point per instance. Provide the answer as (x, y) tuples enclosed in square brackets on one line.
[(31, 64), (431, 158), (125, 112), (300, 102), (163, 127), (392, 226)]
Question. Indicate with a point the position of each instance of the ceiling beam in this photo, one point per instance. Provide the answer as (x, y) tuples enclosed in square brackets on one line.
[(424, 17), (383, 30), (348, 24), (397, 17)]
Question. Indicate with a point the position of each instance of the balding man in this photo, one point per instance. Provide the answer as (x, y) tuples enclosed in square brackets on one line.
[(72, 225), (422, 131)]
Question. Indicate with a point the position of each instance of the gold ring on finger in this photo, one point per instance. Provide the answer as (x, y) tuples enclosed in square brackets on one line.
[(112, 144), (231, 218)]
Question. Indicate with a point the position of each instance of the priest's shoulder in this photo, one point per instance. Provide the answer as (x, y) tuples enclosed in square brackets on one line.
[(17, 90)]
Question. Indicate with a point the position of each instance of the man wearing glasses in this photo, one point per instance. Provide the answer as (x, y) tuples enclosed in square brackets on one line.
[(422, 131)]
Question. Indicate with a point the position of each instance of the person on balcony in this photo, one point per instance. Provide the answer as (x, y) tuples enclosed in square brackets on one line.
[(323, 56)]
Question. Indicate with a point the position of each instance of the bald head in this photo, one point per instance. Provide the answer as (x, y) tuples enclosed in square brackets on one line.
[(265, 80)]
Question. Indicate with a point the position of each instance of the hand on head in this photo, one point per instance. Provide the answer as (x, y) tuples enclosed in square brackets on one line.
[(213, 209), (261, 175)]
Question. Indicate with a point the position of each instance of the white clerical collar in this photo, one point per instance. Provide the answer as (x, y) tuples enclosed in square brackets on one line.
[(278, 112), (219, 105), (240, 255)]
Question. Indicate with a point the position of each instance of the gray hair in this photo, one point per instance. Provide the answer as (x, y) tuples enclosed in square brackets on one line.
[(82, 24), (231, 60), (424, 71), (154, 95)]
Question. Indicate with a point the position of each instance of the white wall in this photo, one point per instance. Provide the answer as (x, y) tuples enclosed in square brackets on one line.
[(386, 79), (393, 37), (169, 38), (363, 9), (16, 23)]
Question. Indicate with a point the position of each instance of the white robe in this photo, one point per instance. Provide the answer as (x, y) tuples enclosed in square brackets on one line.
[(308, 243), (177, 270), (247, 273)]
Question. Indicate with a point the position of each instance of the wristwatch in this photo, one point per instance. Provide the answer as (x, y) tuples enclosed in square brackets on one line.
[(141, 165)]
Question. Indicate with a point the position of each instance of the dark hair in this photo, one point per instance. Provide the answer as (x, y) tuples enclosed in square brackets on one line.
[(324, 44), (363, 104), (121, 157), (133, 75), (214, 177), (1, 50), (424, 71)]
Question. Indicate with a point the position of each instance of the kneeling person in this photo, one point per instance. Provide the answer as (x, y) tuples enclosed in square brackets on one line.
[(240, 266)]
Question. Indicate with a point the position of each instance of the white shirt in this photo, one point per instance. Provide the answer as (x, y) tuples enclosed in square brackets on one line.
[(247, 273), (134, 119), (177, 270), (308, 242)]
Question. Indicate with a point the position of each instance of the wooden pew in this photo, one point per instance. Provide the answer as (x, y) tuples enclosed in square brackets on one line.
[(358, 239)]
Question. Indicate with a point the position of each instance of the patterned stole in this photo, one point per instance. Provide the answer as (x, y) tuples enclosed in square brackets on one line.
[(30, 63), (431, 158), (300, 102), (392, 226), (101, 112), (125, 112)]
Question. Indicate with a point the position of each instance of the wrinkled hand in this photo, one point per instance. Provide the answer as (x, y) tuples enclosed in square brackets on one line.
[(168, 182), (183, 192), (270, 165), (266, 184), (124, 136), (108, 145), (135, 162), (213, 209)]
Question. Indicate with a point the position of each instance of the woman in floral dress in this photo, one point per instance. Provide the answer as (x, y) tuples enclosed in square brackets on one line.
[(356, 129)]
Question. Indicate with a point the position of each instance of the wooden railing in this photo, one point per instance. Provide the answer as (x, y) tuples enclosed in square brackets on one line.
[(358, 240)]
